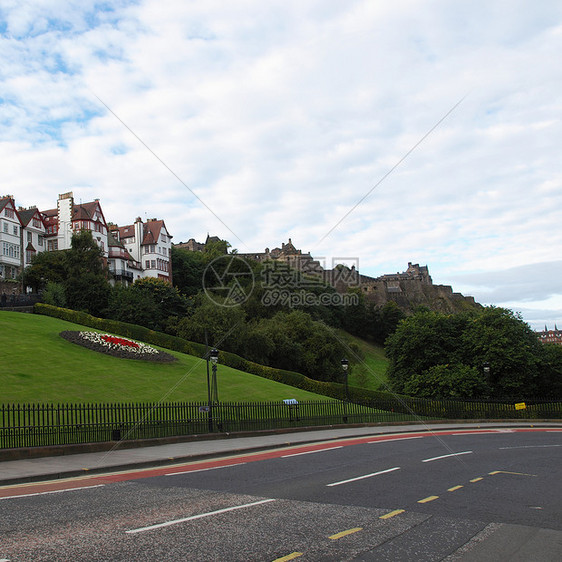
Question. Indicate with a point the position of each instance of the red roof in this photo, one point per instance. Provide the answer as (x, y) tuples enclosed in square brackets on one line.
[(152, 231), (81, 211)]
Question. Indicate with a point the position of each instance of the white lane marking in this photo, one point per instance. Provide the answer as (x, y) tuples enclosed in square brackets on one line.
[(447, 456), (51, 492), (199, 516), (396, 439), (529, 447), (469, 433), (310, 452), (364, 476), (204, 469)]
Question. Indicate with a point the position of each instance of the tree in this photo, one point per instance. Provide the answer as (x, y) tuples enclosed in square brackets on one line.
[(550, 366), (86, 284), (134, 307), (215, 248), (447, 381), (188, 268), (223, 326), (54, 294), (420, 342), (427, 341), (45, 267), (500, 337)]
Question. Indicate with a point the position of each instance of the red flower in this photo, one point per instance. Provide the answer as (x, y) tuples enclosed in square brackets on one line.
[(119, 341)]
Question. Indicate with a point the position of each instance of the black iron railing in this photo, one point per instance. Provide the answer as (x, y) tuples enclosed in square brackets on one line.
[(33, 425)]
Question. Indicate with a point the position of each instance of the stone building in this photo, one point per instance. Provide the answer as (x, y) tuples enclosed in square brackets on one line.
[(409, 289)]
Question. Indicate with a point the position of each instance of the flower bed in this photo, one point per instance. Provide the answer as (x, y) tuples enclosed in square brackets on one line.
[(117, 346)]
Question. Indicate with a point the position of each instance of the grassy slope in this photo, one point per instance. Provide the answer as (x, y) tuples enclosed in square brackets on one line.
[(39, 366), (371, 371)]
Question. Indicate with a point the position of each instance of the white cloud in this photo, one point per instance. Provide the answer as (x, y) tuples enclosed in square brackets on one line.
[(282, 116)]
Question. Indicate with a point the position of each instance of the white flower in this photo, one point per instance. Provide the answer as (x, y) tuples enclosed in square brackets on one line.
[(118, 343)]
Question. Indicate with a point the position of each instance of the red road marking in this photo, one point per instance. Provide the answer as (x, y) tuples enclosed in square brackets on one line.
[(135, 474)]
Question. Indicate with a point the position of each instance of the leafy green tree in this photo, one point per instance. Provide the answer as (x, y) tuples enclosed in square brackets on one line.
[(134, 307), (215, 248), (500, 337), (54, 294), (224, 326), (163, 294), (550, 366), (447, 381), (426, 341), (188, 268), (304, 345), (420, 342), (45, 267), (86, 284), (389, 316)]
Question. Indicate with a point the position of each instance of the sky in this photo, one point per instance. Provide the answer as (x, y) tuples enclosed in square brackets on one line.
[(389, 132)]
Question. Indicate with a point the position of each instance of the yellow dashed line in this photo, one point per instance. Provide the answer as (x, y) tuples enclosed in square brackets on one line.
[(428, 499), (477, 479), (455, 488), (289, 557), (345, 533), (392, 514)]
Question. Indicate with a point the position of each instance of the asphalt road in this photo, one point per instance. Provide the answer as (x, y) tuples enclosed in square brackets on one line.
[(465, 495)]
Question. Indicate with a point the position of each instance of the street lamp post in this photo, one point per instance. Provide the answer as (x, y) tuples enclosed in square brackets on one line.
[(214, 355), (345, 366), (486, 369), (209, 403)]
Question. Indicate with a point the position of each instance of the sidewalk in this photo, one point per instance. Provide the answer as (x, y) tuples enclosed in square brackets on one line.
[(51, 468)]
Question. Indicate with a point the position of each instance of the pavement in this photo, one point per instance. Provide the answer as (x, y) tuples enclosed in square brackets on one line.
[(116, 459)]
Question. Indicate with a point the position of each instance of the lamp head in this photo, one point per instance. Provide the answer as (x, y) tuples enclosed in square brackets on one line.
[(214, 355)]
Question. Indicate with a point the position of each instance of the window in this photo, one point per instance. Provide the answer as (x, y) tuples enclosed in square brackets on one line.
[(40, 240), (147, 264), (30, 237), (52, 245), (9, 213), (152, 264), (6, 228), (16, 231), (36, 222), (11, 250)]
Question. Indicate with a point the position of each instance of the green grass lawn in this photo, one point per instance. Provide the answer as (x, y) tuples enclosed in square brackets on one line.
[(40, 366)]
